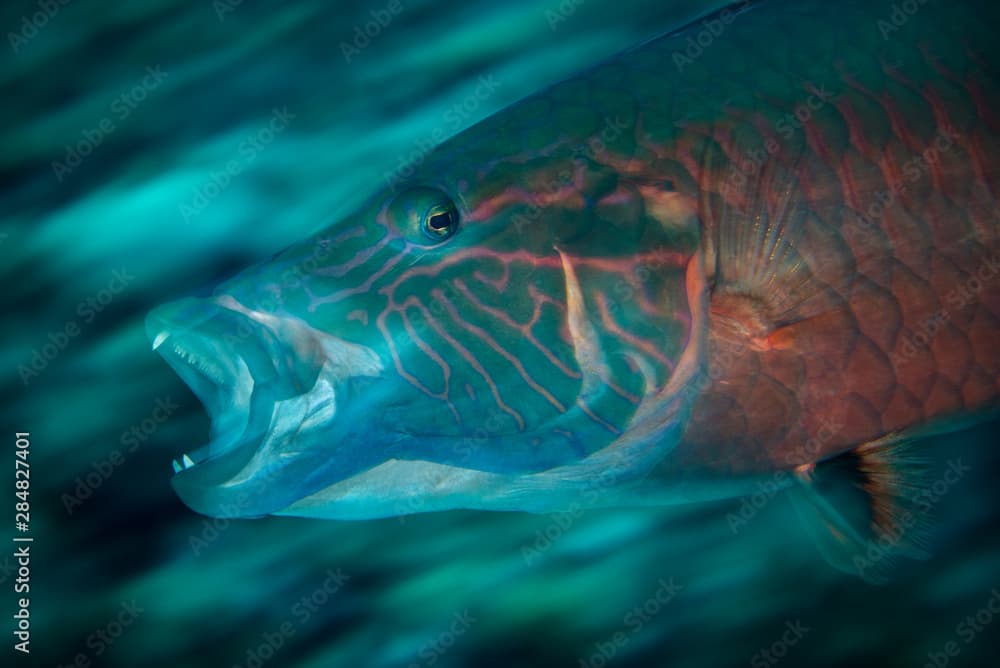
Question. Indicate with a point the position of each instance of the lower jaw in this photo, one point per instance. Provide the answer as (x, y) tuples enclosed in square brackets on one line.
[(262, 467)]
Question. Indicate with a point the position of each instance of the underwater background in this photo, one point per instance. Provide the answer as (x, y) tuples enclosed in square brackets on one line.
[(118, 123)]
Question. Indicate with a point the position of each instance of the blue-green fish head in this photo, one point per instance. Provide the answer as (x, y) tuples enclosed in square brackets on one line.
[(488, 333)]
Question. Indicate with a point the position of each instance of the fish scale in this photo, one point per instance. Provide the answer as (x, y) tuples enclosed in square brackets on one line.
[(853, 353), (871, 373)]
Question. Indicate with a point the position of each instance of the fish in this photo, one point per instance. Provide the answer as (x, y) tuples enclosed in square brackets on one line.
[(762, 246)]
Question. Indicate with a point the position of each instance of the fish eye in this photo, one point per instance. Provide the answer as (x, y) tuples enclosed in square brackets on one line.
[(425, 212), (440, 221)]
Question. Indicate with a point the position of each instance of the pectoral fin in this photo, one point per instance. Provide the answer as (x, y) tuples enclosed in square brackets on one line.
[(862, 508)]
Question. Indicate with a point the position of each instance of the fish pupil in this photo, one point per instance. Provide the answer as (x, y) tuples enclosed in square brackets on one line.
[(440, 221), (440, 224)]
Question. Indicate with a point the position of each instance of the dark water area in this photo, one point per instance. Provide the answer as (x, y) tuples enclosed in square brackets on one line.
[(118, 123)]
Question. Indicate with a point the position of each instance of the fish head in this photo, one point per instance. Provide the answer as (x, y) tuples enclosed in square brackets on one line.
[(466, 328)]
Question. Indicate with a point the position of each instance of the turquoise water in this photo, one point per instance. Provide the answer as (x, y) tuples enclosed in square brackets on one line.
[(119, 124)]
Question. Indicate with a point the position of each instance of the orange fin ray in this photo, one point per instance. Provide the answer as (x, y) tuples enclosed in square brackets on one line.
[(862, 508)]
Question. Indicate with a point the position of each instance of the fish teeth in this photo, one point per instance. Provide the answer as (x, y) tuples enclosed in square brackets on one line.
[(204, 365), (160, 338), (185, 463)]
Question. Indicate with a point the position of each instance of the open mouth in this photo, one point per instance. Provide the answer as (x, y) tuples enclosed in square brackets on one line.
[(247, 375), (272, 386), (223, 384), (213, 352)]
